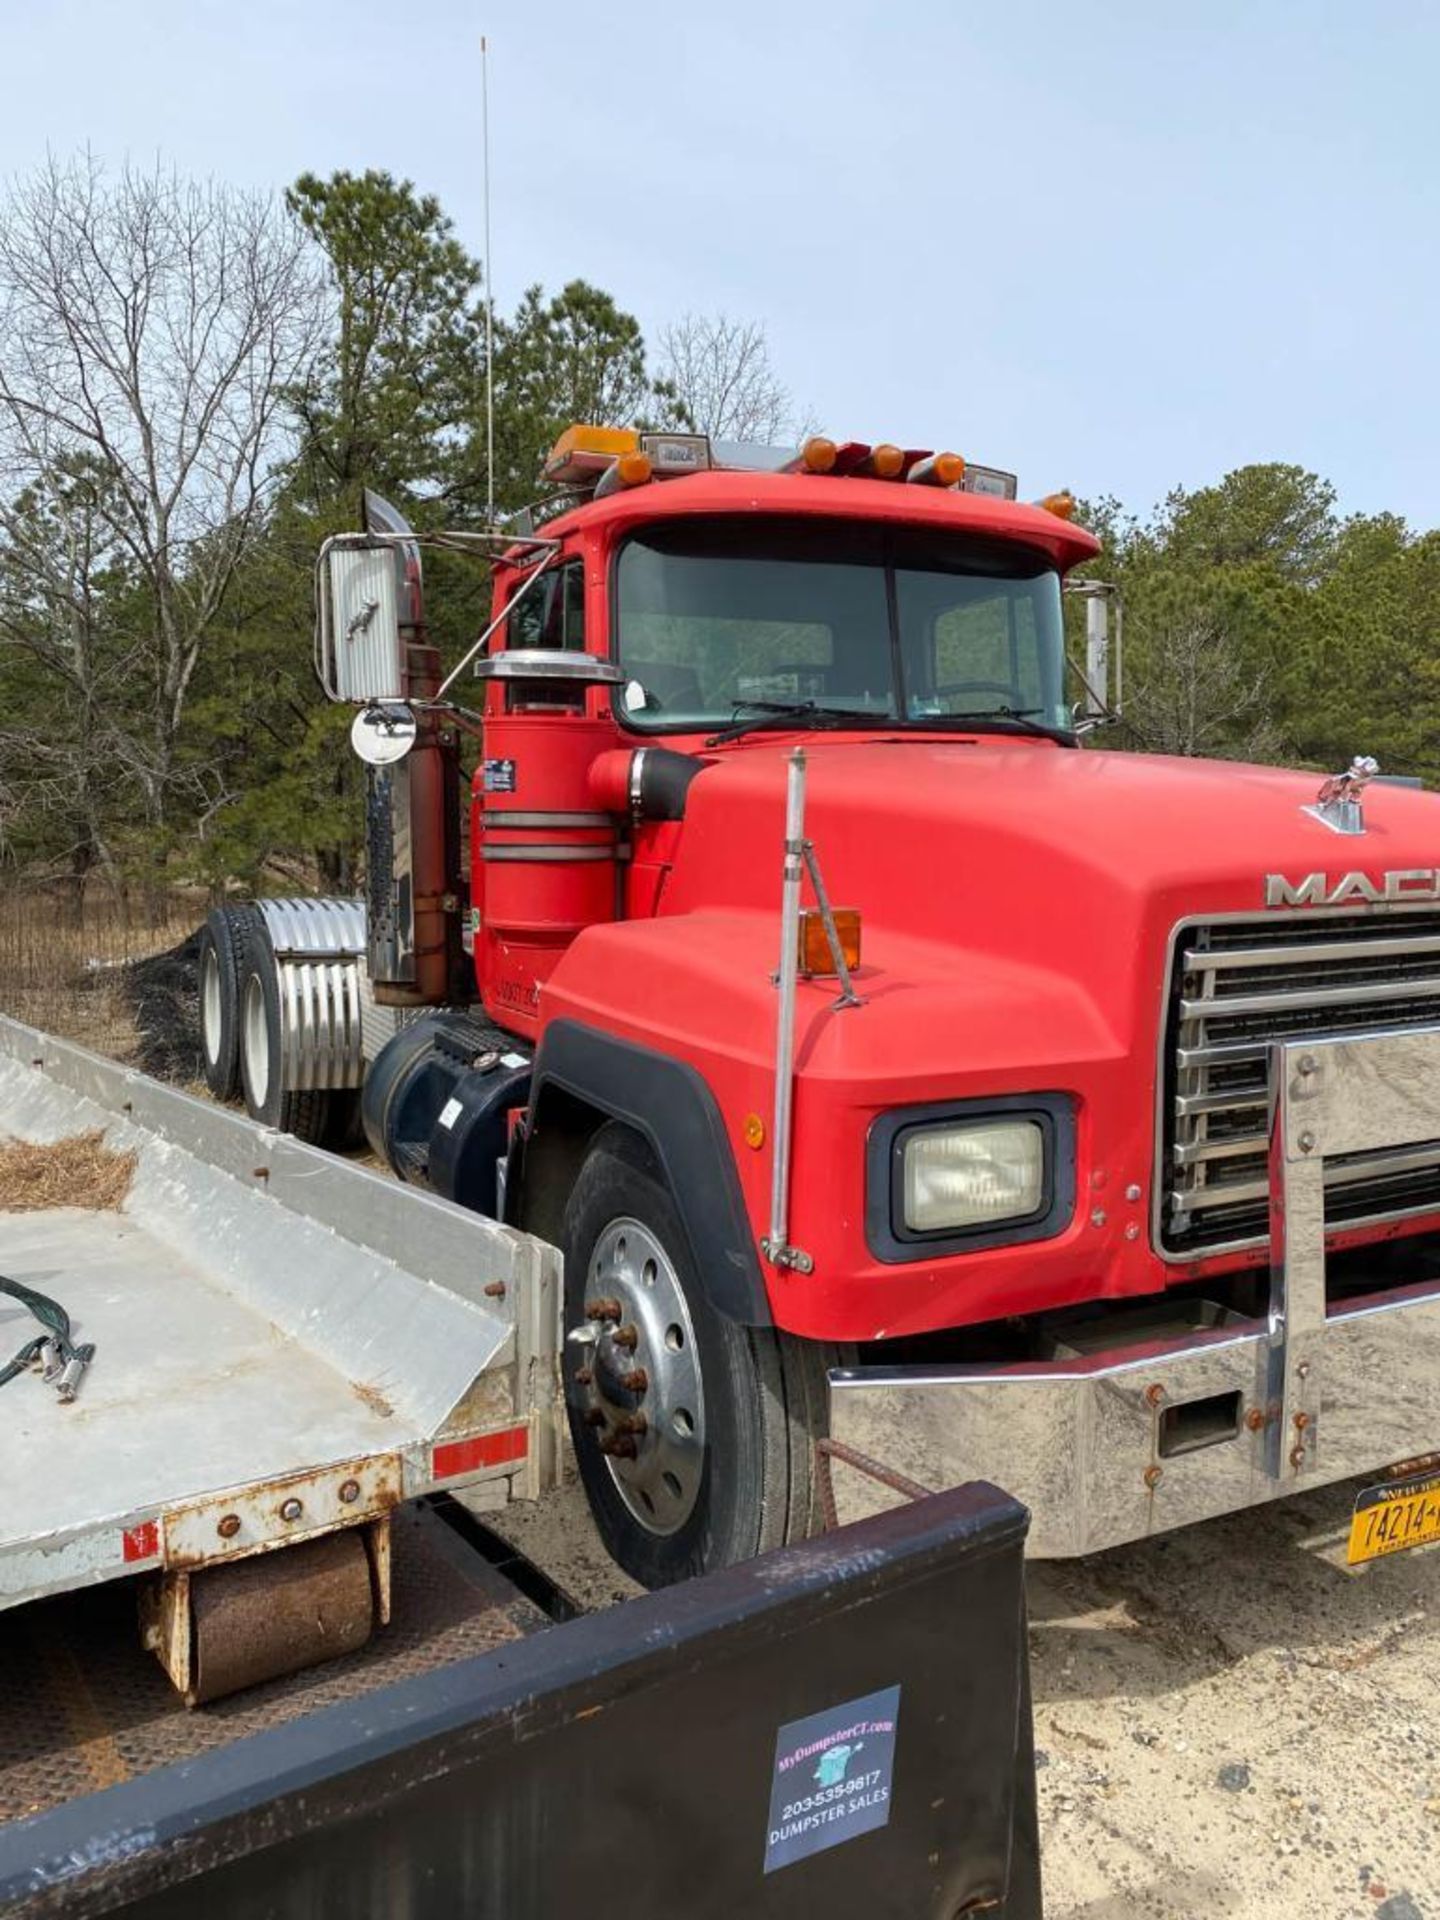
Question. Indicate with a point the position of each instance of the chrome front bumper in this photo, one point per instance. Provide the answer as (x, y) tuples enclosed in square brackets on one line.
[(1114, 1446)]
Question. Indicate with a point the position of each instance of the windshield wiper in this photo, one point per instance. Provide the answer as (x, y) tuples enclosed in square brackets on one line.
[(1011, 720), (765, 713)]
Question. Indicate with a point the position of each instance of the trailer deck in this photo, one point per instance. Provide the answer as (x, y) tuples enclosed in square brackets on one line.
[(286, 1348), (227, 1396)]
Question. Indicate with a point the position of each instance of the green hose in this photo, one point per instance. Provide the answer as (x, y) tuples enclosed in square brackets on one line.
[(69, 1360)]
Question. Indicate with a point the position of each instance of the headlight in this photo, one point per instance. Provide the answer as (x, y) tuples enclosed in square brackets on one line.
[(960, 1176)]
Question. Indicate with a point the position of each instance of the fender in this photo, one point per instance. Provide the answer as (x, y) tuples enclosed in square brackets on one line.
[(671, 1106)]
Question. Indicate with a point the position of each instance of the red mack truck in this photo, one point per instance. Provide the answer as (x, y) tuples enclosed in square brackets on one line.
[(888, 1068)]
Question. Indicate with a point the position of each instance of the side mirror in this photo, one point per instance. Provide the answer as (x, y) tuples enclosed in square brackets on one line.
[(358, 652), (381, 736)]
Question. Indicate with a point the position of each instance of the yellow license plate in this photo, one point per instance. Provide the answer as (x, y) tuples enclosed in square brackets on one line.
[(1395, 1515)]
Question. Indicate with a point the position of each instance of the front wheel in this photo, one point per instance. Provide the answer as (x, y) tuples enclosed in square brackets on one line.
[(694, 1436)]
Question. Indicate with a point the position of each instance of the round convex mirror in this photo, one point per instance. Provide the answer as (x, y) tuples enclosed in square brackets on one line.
[(383, 734)]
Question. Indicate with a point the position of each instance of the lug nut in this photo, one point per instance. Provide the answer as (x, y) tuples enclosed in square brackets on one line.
[(291, 1509), (603, 1309), (626, 1337), (583, 1376), (594, 1416), (620, 1446), (349, 1491), (635, 1423), (229, 1526), (636, 1381)]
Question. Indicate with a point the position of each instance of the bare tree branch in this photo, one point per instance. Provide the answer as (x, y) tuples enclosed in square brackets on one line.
[(721, 370), (150, 330)]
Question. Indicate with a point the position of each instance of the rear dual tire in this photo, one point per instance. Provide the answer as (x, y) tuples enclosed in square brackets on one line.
[(226, 942), (723, 1467)]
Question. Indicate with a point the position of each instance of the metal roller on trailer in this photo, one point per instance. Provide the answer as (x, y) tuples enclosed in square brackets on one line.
[(245, 1368)]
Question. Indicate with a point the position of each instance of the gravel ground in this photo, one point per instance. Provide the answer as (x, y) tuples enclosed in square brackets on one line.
[(1229, 1722)]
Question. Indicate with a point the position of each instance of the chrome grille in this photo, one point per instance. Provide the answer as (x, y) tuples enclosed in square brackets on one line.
[(1235, 988)]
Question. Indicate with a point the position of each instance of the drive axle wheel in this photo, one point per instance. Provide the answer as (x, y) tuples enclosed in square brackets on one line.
[(694, 1435)]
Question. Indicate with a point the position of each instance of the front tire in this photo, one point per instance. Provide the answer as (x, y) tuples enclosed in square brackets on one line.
[(694, 1436)]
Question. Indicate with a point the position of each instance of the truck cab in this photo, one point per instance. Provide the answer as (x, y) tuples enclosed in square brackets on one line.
[(888, 1067)]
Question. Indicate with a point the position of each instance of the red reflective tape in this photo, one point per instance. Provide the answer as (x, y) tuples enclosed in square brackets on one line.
[(141, 1542), (479, 1450)]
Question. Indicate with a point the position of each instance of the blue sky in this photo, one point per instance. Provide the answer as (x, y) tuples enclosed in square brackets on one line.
[(1113, 246)]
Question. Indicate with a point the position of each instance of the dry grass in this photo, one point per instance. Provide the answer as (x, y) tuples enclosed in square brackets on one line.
[(64, 972), (79, 1172)]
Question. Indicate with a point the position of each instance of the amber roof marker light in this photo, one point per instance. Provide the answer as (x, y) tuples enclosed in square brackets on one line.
[(1061, 504), (939, 470)]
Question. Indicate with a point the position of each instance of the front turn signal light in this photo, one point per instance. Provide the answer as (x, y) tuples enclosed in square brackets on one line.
[(815, 954)]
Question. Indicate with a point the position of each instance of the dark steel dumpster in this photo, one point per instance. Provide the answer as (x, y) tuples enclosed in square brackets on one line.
[(838, 1728)]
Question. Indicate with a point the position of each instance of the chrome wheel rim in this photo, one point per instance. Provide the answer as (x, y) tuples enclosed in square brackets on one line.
[(257, 1042), (638, 1374), (210, 1001)]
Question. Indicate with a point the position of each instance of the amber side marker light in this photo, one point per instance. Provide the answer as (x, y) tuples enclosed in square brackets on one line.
[(818, 454), (815, 954)]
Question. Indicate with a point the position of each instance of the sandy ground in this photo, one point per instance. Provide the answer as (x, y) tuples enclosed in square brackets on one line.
[(1229, 1722)]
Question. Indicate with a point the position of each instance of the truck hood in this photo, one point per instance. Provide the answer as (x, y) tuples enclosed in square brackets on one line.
[(1034, 852)]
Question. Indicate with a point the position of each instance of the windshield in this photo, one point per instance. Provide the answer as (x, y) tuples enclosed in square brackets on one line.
[(898, 625)]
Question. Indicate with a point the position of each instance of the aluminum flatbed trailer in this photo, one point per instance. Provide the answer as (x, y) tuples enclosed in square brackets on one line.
[(839, 1727), (286, 1349)]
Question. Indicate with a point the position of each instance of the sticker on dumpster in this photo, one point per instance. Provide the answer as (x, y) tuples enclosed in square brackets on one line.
[(833, 1773), (498, 776)]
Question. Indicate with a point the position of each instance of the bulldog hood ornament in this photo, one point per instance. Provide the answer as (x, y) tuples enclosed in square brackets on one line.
[(1338, 803)]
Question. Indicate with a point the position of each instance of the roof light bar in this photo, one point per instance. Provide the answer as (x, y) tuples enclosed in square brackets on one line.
[(584, 453)]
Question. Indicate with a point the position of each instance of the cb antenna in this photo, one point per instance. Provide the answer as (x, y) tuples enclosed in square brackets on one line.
[(489, 289)]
